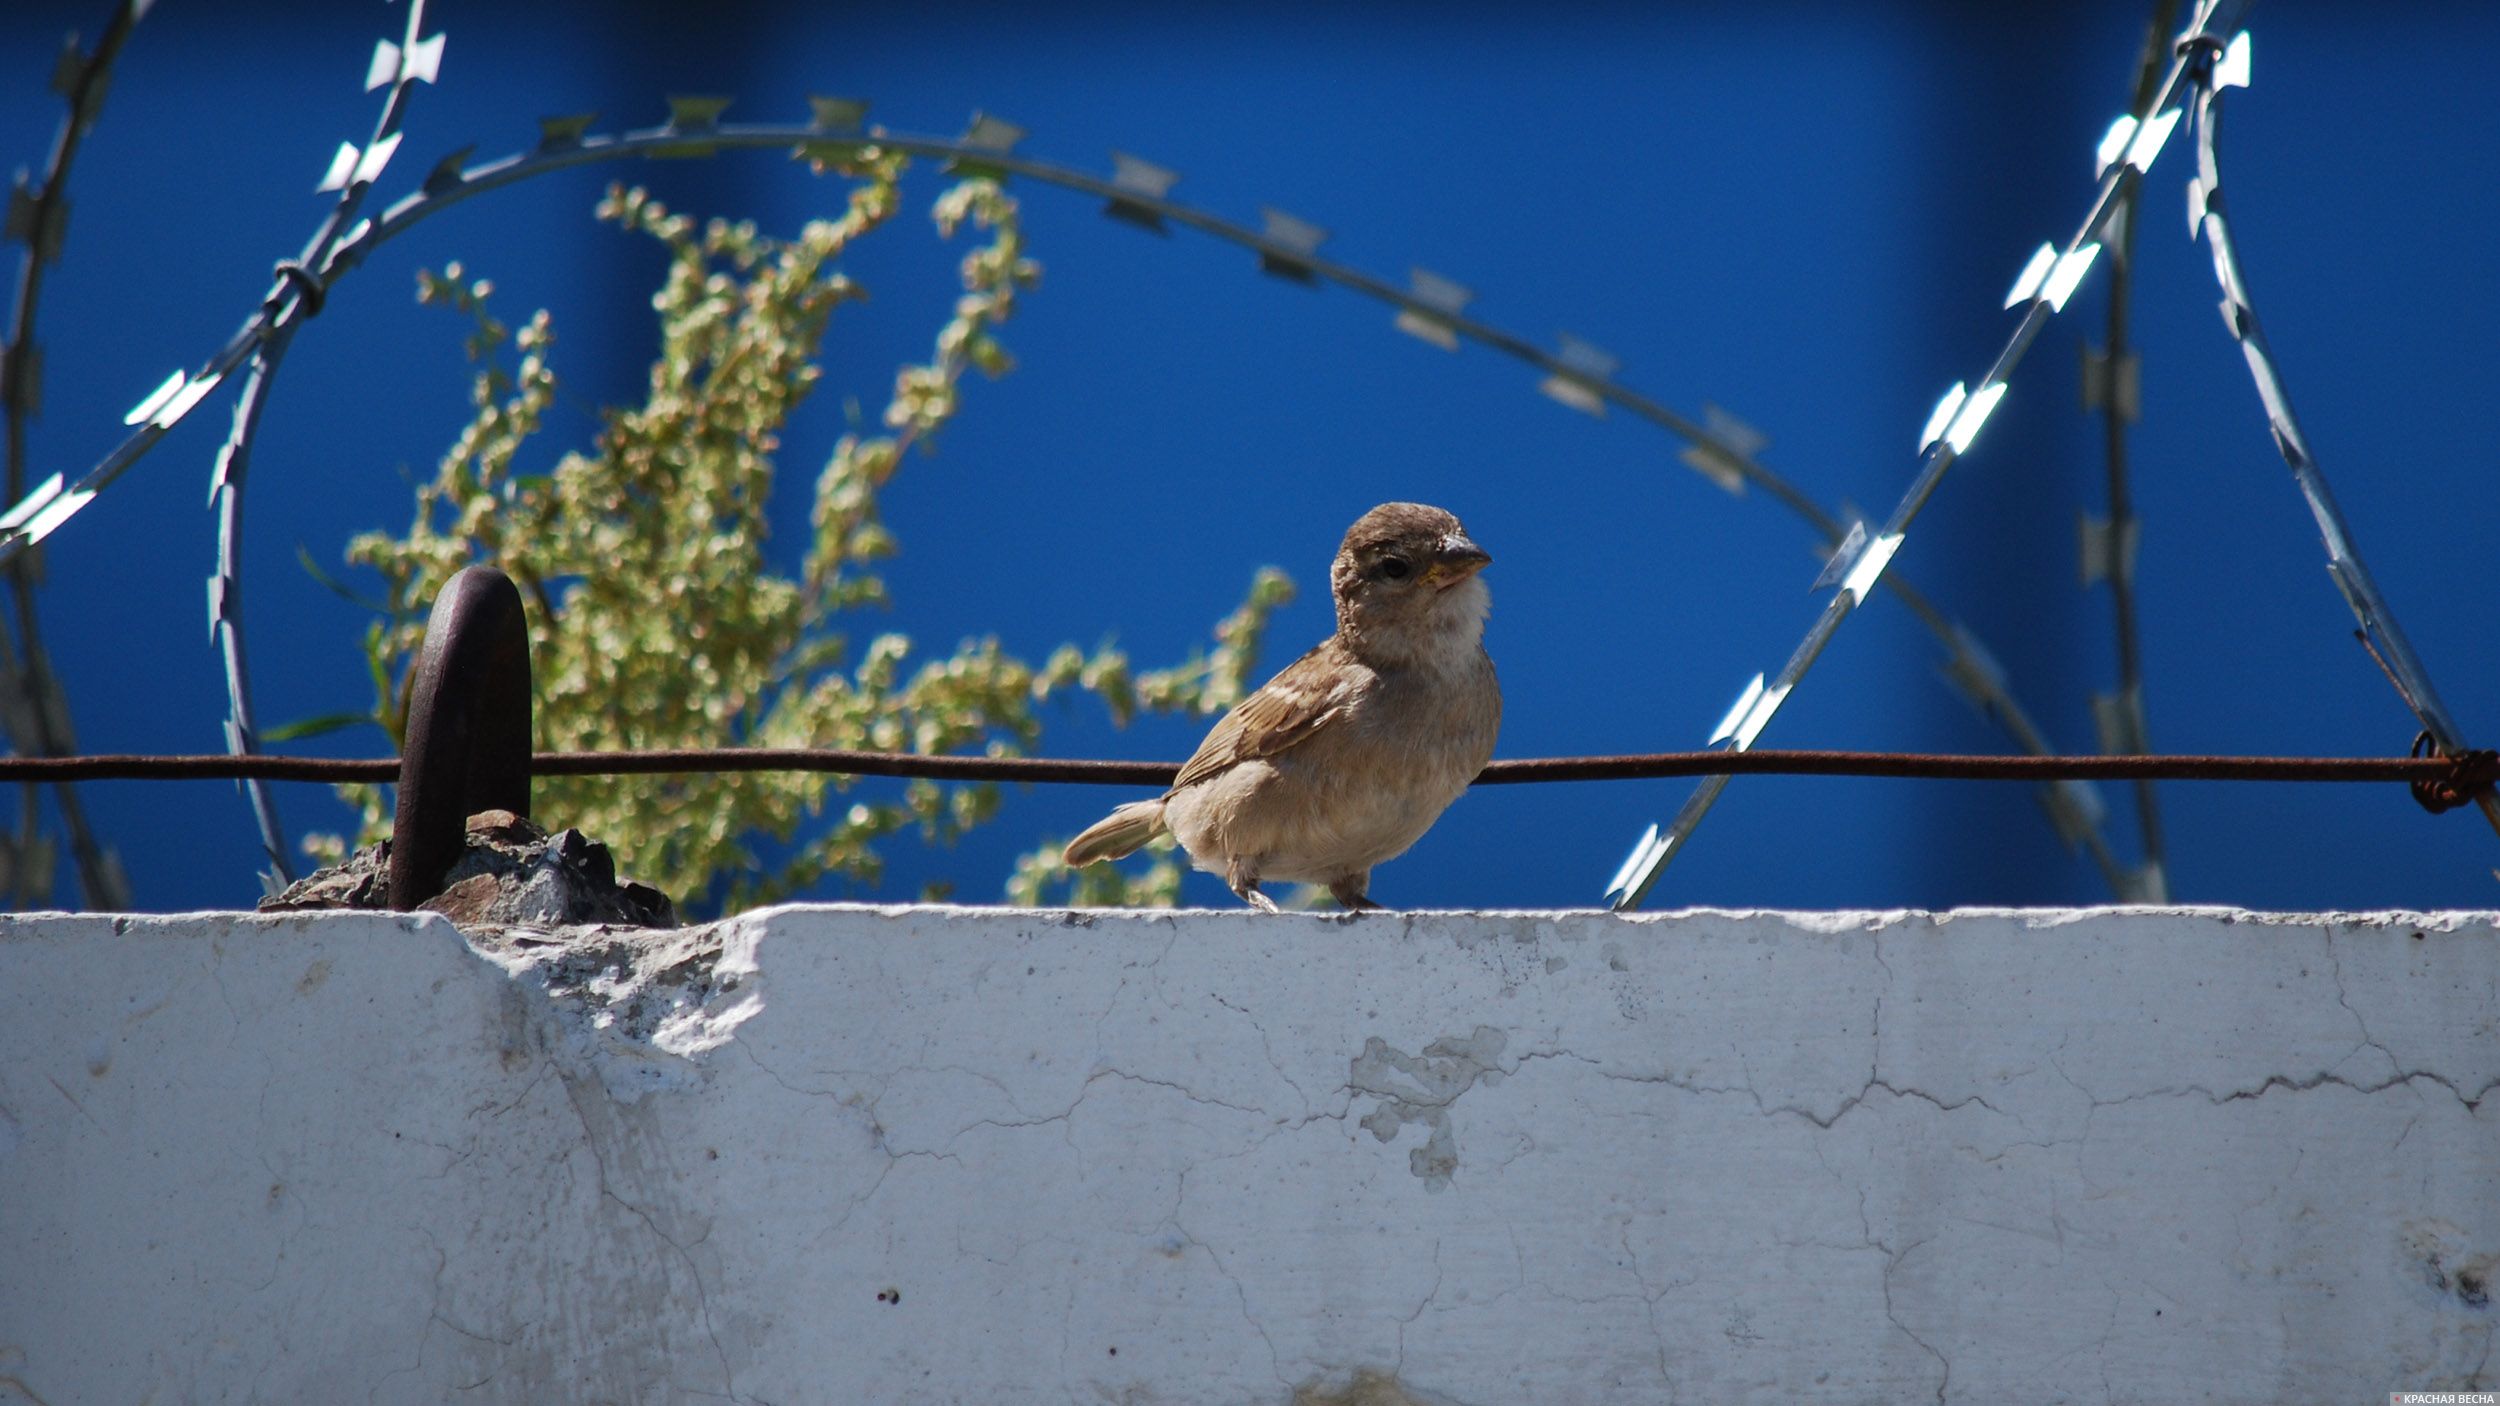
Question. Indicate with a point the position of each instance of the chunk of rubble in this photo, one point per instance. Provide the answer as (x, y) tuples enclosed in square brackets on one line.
[(512, 873)]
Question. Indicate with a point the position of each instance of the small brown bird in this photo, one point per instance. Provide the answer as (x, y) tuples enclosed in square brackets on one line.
[(1344, 759)]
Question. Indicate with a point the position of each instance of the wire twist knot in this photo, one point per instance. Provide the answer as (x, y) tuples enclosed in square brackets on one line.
[(2469, 774), (310, 291)]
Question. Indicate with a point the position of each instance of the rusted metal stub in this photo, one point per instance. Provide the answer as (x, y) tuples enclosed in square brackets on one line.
[(468, 743)]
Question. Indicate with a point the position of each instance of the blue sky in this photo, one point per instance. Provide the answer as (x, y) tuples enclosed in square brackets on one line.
[(1807, 213)]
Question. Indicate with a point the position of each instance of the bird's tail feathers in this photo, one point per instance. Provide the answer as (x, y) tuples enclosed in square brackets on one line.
[(1117, 835)]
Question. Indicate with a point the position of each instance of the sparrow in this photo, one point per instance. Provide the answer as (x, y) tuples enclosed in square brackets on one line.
[(1345, 758)]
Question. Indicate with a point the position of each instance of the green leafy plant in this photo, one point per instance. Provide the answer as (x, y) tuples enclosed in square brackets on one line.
[(656, 618)]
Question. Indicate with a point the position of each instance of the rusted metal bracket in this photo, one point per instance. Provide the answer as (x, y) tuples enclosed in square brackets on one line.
[(467, 747)]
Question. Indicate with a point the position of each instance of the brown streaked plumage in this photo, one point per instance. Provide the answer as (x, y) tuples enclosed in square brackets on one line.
[(1345, 758)]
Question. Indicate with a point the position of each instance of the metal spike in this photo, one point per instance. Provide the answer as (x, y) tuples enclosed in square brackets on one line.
[(2118, 721), (695, 113), (342, 165), (2146, 883), (1712, 463), (1585, 366), (2106, 553), (2232, 71), (68, 67), (25, 362), (171, 401), (55, 705), (1843, 557), (2120, 384), (446, 172), (1442, 299), (424, 60), (2067, 273), (419, 63), (1139, 177), (1721, 458), (1973, 671), (377, 156), (25, 212), (1288, 236), (42, 857), (2027, 283), (555, 133), (2352, 594), (33, 503), (2075, 808), (989, 133), (1939, 419), (54, 513), (1869, 567), (837, 116), (2151, 136), (385, 65), (156, 399), (220, 602), (1971, 413), (1736, 434), (2114, 142), (351, 166), (1632, 862), (1736, 714)]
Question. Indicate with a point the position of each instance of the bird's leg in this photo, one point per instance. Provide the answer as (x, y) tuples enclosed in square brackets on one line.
[(1243, 876), (1348, 892)]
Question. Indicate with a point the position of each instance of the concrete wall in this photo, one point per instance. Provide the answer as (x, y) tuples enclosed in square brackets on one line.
[(935, 1155)]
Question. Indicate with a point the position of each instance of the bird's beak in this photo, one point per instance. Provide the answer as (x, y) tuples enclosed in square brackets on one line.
[(1455, 559)]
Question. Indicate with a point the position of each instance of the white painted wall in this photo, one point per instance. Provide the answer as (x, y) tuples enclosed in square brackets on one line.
[(937, 1155)]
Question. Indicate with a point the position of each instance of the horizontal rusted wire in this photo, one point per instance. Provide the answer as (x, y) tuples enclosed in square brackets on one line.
[(2466, 774)]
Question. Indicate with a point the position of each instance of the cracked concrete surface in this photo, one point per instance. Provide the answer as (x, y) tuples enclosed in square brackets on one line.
[(911, 1154)]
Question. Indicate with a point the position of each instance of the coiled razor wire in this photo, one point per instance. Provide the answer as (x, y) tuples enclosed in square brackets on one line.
[(2113, 377), (1578, 373), (2217, 67), (2041, 291), (36, 711)]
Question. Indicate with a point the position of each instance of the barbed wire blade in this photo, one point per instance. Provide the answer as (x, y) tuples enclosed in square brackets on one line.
[(418, 63), (445, 174), (44, 510), (1288, 236), (696, 112), (836, 116), (2115, 384), (168, 403), (1134, 176), (564, 130), (24, 362), (1632, 862), (1443, 300), (2233, 70), (2105, 552), (1585, 366), (1843, 557)]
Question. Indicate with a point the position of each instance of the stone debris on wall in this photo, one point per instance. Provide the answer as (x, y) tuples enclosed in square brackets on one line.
[(511, 872)]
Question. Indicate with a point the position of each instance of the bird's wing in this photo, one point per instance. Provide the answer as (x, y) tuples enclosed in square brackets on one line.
[(1307, 695)]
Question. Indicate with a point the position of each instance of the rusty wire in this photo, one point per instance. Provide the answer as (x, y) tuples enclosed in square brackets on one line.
[(2458, 777)]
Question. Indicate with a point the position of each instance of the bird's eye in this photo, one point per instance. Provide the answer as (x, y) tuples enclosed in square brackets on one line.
[(1394, 568)]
